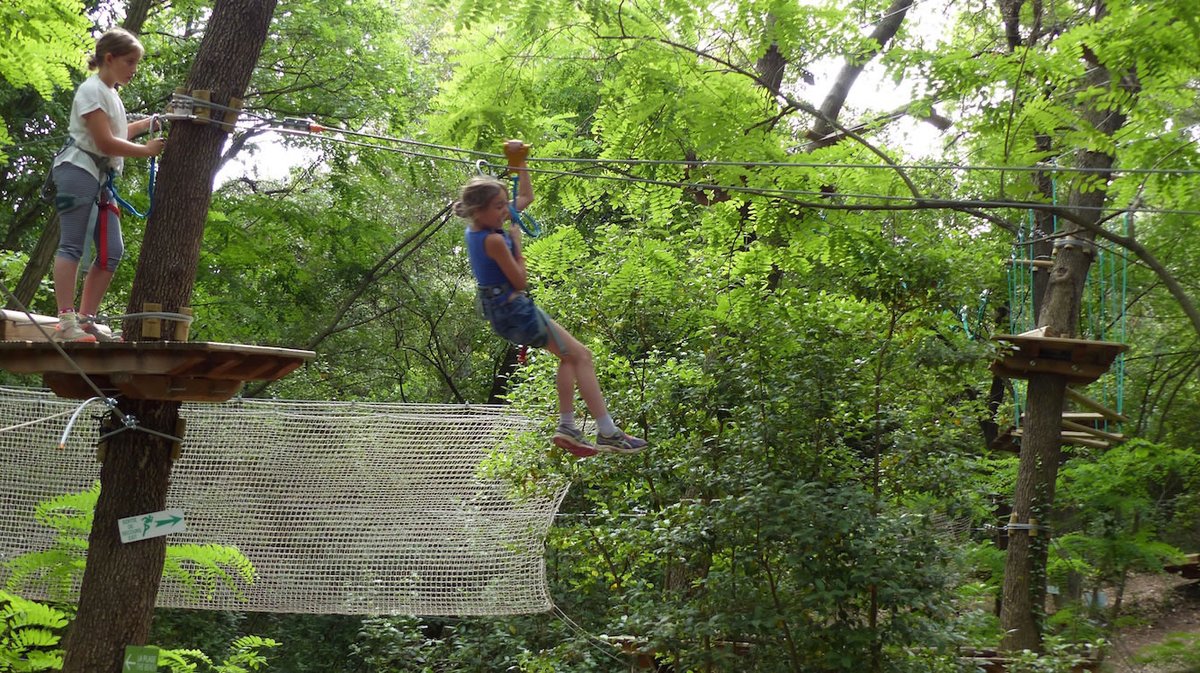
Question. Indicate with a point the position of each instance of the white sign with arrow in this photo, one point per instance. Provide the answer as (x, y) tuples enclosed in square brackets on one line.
[(142, 527)]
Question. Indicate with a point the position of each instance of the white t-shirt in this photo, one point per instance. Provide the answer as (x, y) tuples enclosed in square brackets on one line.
[(93, 95)]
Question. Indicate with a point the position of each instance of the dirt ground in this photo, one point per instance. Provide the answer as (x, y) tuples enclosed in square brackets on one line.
[(1161, 605)]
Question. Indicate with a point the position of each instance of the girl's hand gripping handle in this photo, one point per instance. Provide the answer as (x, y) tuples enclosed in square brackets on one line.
[(517, 152)]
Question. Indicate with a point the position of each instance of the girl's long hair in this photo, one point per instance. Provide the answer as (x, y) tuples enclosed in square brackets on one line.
[(116, 41), (478, 193)]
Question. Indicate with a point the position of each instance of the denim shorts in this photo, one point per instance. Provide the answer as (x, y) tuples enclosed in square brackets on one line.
[(517, 319)]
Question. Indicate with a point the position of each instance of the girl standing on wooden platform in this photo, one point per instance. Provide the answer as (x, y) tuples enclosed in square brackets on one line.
[(98, 141)]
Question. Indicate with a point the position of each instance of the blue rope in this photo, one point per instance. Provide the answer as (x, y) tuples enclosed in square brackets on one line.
[(150, 182), (111, 185), (533, 230)]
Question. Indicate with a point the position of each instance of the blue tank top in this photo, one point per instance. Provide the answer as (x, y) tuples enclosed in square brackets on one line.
[(487, 271)]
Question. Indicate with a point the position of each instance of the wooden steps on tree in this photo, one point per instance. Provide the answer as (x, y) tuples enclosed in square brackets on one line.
[(1074, 438), (197, 371), (1081, 417), (1111, 437), (1035, 263), (1080, 361), (1085, 401)]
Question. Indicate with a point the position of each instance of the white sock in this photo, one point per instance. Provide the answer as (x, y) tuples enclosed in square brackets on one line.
[(606, 426), (567, 419)]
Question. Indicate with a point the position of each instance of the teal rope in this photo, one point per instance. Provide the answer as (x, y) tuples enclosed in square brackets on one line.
[(111, 186), (533, 229)]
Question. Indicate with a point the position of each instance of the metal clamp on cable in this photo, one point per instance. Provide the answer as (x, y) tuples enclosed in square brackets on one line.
[(1069, 242), (298, 124)]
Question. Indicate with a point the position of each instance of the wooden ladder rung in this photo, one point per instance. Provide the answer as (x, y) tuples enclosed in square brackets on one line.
[(1085, 401), (1097, 432)]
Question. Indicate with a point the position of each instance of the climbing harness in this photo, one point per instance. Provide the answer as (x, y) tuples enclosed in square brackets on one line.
[(67, 201)]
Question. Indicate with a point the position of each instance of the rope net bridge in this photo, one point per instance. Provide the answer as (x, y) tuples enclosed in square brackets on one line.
[(343, 508)]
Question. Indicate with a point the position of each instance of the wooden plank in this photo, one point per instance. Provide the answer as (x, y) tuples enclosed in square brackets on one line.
[(182, 327), (151, 327), (17, 326), (1082, 417), (167, 370), (1075, 350), (1079, 427), (1075, 438), (1035, 263), (1021, 367), (73, 387), (175, 388), (1082, 441), (1085, 401)]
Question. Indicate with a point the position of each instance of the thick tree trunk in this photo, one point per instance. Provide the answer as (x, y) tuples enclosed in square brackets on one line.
[(121, 580), (120, 583), (1024, 570)]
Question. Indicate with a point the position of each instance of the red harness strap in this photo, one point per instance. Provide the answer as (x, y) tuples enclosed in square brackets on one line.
[(102, 224)]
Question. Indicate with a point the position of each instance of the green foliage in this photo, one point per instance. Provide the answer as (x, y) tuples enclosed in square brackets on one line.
[(813, 403), (60, 567), (1058, 656), (245, 654), (1117, 504), (200, 569), (29, 635), (41, 42), (1179, 653)]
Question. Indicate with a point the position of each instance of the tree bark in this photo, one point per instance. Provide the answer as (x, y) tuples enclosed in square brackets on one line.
[(120, 583), (1025, 565), (823, 132), (38, 264)]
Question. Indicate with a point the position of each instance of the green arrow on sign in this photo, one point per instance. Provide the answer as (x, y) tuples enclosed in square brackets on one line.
[(168, 522), (140, 659)]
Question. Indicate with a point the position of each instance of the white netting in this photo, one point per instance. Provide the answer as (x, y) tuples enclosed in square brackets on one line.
[(343, 508)]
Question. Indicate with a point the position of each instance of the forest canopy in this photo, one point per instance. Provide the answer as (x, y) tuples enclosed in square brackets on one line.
[(788, 232)]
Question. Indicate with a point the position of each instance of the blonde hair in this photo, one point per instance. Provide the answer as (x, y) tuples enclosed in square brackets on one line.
[(116, 41), (477, 194)]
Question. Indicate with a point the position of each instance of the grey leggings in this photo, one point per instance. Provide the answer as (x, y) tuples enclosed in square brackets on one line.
[(74, 217)]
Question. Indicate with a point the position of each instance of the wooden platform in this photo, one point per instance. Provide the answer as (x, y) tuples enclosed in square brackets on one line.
[(181, 371), (1189, 568), (1081, 361)]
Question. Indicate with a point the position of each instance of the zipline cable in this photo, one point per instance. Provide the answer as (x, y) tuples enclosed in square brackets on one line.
[(299, 126), (915, 203)]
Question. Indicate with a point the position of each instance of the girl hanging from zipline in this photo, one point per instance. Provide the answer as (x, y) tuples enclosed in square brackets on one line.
[(99, 136), (499, 267)]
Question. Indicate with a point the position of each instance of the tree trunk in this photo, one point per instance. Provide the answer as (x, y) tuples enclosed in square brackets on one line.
[(1025, 565), (822, 132), (38, 264), (120, 583)]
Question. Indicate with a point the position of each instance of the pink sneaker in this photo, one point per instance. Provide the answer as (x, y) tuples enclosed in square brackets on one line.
[(68, 330), (572, 441)]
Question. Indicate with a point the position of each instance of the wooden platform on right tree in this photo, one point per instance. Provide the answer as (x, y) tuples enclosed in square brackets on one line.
[(1081, 361)]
